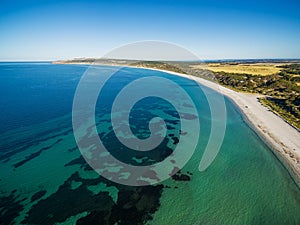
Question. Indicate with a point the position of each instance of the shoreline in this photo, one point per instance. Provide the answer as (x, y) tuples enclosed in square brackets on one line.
[(281, 137)]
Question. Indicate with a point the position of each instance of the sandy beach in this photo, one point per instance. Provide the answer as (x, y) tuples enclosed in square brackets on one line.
[(281, 137)]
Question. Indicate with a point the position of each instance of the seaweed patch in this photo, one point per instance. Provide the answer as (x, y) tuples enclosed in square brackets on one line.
[(10, 208), (135, 205)]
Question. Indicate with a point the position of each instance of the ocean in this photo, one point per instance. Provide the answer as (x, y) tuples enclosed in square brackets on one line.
[(45, 180)]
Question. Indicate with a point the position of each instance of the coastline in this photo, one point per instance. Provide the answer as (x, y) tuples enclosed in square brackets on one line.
[(281, 137)]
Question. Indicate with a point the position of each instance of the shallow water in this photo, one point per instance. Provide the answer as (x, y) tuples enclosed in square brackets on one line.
[(43, 180)]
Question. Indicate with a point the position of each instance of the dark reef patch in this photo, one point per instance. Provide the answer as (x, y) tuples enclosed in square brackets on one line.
[(73, 149), (181, 177), (10, 208), (125, 154), (175, 140), (135, 205), (67, 202), (38, 195)]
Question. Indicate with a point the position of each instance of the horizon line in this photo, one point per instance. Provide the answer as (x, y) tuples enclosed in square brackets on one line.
[(206, 60)]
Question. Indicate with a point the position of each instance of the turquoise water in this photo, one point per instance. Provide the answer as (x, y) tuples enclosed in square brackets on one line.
[(43, 179)]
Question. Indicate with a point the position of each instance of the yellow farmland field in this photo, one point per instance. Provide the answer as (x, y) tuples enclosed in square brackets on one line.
[(253, 68)]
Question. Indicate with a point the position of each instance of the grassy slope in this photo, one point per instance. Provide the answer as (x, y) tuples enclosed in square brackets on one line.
[(281, 89)]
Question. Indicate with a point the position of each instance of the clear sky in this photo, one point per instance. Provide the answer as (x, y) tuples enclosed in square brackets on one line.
[(50, 30)]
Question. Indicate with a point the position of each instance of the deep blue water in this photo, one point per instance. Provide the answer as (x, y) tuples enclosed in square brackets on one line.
[(32, 93)]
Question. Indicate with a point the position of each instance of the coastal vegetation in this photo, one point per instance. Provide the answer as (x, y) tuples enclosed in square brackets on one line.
[(159, 65), (281, 90)]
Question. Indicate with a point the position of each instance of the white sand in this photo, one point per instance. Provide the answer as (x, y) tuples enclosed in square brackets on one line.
[(281, 137)]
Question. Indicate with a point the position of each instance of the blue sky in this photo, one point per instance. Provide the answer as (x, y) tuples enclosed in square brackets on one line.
[(50, 30)]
